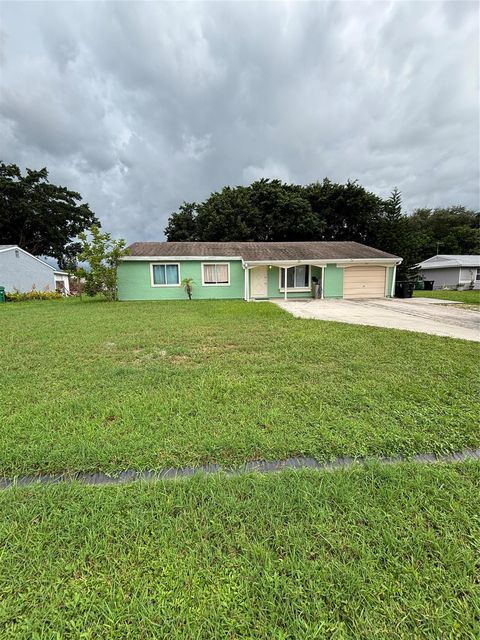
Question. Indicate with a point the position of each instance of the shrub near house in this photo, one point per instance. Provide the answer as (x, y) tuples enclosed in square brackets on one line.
[(17, 296)]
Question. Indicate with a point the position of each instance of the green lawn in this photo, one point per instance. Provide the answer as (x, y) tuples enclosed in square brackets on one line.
[(364, 553), (368, 553), (467, 297), (148, 385)]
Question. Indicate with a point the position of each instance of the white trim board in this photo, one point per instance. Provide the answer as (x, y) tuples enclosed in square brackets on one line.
[(366, 264), (340, 262), (319, 262), (180, 258)]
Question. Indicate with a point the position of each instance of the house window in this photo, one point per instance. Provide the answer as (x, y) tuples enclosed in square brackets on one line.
[(216, 274), (297, 277), (165, 275), (17, 253), (477, 277)]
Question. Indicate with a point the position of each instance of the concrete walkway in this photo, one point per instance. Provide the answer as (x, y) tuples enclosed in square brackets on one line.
[(259, 466), (426, 315)]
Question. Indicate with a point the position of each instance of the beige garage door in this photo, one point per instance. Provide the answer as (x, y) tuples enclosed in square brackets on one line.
[(364, 282)]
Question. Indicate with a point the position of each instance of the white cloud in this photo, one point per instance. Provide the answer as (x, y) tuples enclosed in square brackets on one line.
[(269, 168), (142, 106)]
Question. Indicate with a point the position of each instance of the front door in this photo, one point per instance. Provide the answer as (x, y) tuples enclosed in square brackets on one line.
[(259, 282)]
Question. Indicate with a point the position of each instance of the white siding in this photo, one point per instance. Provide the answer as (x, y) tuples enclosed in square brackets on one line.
[(449, 277), (468, 274), (22, 272)]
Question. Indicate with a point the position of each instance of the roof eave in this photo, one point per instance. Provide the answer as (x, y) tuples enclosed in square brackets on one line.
[(17, 248), (320, 261)]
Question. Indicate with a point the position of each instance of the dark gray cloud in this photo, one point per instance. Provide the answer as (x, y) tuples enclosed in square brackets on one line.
[(140, 106)]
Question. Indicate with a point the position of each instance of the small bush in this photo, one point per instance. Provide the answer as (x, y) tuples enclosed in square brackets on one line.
[(17, 296)]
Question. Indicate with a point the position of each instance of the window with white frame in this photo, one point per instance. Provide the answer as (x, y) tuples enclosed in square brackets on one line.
[(297, 277), (217, 273), (477, 277), (165, 275)]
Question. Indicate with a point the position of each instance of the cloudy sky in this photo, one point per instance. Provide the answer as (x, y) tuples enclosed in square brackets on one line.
[(140, 106)]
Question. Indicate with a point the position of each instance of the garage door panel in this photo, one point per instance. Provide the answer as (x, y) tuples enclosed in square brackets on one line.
[(364, 282), (361, 279), (365, 286), (377, 293)]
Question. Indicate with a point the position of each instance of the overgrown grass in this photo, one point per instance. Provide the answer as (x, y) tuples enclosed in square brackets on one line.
[(148, 385), (468, 297), (388, 552)]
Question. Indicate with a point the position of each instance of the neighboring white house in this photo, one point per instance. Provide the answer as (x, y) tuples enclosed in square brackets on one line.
[(20, 271), (451, 271)]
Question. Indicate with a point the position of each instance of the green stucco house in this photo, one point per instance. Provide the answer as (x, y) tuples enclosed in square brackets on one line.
[(256, 270)]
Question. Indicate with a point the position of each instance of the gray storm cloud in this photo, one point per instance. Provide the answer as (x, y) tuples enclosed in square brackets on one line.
[(140, 106)]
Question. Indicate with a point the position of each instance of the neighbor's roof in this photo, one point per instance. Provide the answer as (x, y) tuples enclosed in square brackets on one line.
[(6, 247), (445, 261), (258, 251)]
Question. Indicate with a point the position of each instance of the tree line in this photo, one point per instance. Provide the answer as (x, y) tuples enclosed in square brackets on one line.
[(48, 220), (40, 217), (271, 210)]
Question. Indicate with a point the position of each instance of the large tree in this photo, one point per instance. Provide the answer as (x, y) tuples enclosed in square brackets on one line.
[(267, 210), (395, 235), (450, 230), (270, 210), (41, 217), (345, 211), (182, 224)]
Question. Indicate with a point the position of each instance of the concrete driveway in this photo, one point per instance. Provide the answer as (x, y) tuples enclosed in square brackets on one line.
[(436, 317)]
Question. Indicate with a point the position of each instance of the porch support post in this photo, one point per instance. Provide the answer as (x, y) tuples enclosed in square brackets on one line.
[(394, 276), (247, 283), (322, 295), (285, 288)]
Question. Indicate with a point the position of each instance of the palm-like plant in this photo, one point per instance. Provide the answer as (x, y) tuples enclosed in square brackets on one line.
[(187, 285)]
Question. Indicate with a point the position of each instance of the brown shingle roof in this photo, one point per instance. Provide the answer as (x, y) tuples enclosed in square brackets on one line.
[(252, 251)]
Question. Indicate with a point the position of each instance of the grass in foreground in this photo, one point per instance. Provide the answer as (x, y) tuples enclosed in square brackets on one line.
[(467, 297), (366, 553), (148, 385)]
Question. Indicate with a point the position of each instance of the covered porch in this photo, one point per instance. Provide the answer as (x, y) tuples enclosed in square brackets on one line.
[(285, 279)]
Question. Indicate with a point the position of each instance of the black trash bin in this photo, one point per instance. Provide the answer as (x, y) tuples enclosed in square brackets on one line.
[(404, 289), (429, 284)]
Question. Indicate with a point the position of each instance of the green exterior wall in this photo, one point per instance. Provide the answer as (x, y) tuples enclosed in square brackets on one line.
[(333, 286), (134, 282)]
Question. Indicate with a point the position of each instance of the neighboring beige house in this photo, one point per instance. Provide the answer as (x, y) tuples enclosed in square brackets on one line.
[(449, 271)]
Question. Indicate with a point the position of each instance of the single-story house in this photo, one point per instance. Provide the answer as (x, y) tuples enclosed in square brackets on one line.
[(450, 271), (255, 270), (20, 271)]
